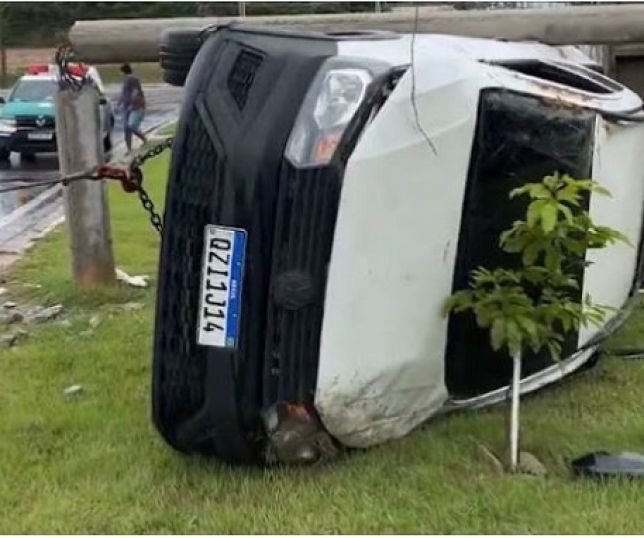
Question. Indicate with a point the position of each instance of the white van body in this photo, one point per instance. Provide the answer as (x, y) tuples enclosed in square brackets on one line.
[(381, 370)]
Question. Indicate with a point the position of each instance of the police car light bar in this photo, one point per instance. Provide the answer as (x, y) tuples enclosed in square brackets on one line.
[(37, 69), (49, 69)]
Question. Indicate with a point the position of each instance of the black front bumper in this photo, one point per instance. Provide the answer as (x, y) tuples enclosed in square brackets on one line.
[(242, 96)]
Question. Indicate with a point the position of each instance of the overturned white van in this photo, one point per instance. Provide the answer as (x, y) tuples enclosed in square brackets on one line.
[(327, 193)]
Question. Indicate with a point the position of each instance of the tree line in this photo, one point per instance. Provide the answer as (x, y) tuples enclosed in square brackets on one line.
[(46, 23)]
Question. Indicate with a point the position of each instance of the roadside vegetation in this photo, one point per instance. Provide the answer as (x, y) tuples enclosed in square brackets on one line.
[(92, 462)]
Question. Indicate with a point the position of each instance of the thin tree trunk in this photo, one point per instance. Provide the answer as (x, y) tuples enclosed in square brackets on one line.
[(3, 62), (514, 412)]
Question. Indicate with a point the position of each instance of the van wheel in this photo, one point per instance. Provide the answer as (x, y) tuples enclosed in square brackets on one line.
[(4, 154), (177, 51)]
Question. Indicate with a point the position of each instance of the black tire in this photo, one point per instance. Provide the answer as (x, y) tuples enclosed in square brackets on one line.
[(4, 154), (177, 50), (107, 143)]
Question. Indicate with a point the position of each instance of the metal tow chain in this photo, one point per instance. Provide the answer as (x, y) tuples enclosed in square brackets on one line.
[(130, 177), (133, 182), (137, 177)]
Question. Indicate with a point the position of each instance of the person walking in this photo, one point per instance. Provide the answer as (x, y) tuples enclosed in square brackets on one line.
[(132, 103)]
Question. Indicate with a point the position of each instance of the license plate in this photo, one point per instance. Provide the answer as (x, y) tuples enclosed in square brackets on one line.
[(221, 286), (40, 136)]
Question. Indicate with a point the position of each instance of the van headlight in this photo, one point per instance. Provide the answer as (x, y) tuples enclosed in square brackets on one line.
[(7, 125), (329, 106)]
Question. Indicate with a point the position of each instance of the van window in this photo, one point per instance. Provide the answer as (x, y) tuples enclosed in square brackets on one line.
[(573, 76)]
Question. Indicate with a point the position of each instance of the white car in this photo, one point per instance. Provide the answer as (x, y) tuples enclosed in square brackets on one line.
[(328, 192)]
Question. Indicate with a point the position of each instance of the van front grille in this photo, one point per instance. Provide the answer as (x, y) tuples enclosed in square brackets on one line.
[(183, 362), (307, 210)]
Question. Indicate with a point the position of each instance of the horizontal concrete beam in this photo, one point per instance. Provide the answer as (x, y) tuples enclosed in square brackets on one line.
[(133, 40)]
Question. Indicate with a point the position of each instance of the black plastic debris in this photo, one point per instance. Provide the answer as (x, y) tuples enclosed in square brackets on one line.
[(606, 465)]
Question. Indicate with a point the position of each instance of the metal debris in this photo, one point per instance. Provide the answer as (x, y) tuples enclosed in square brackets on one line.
[(295, 435)]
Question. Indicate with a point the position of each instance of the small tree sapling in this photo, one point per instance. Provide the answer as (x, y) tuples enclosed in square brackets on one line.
[(537, 305)]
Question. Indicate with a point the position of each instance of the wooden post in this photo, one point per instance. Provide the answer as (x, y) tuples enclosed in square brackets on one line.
[(86, 205), (137, 40)]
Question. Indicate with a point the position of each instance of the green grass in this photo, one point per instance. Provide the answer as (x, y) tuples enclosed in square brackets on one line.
[(169, 129), (94, 464)]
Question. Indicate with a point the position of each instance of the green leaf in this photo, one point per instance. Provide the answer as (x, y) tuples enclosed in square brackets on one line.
[(552, 259), (567, 213), (601, 190), (539, 191), (569, 194), (520, 190), (548, 217), (554, 349), (497, 334), (530, 254), (534, 212), (529, 326)]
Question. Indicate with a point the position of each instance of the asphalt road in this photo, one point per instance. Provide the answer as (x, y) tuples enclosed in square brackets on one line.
[(163, 103), (27, 213)]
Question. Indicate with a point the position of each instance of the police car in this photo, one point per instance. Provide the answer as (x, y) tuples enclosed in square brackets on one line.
[(27, 118)]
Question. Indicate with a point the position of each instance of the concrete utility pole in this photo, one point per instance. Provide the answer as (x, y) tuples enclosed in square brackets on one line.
[(241, 6), (137, 40), (86, 205)]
